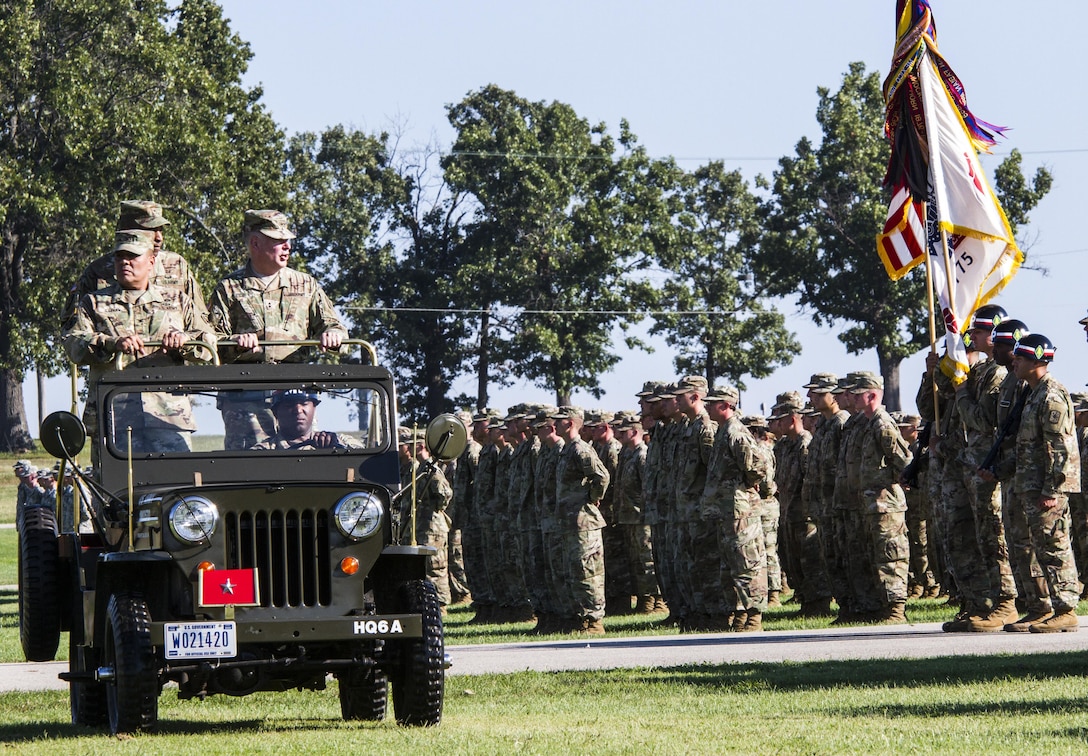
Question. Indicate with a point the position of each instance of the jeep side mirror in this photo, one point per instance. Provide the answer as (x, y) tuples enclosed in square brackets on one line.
[(446, 437), (63, 435)]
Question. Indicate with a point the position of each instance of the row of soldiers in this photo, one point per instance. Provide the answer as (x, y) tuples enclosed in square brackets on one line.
[(40, 488), (845, 500)]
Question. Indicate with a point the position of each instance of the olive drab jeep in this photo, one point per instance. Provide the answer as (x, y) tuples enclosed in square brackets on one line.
[(258, 567)]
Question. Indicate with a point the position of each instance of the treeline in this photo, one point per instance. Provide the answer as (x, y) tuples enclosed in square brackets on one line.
[(515, 252)]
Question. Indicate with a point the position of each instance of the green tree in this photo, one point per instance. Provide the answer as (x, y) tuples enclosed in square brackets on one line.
[(710, 272), (827, 206), (566, 216), (106, 100)]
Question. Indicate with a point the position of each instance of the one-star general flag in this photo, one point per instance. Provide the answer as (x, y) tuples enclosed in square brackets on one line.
[(935, 145), (223, 587)]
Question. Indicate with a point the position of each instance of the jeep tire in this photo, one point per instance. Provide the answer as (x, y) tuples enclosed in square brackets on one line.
[(418, 671), (132, 690), (39, 585)]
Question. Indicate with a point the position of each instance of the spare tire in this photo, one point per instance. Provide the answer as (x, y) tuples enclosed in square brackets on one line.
[(39, 585)]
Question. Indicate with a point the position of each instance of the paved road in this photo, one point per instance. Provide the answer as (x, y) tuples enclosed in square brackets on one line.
[(892, 642)]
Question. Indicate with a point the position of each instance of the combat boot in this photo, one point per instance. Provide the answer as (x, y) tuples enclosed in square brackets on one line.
[(591, 626), (996, 619), (893, 614), (753, 622), (1063, 621), (1024, 625), (774, 598), (957, 624)]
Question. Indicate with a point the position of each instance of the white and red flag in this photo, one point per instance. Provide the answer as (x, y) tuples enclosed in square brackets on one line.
[(935, 145)]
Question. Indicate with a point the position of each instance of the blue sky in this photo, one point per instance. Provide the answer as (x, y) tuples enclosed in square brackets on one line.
[(699, 80)]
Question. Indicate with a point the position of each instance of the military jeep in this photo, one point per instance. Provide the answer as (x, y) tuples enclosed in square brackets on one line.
[(236, 570)]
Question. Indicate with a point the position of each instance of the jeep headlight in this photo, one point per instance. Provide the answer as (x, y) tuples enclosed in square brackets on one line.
[(193, 519), (358, 514)]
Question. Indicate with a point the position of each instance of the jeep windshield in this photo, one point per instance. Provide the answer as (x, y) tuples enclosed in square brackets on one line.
[(284, 419)]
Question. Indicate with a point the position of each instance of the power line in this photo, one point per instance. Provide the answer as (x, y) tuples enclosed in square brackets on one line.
[(471, 311)]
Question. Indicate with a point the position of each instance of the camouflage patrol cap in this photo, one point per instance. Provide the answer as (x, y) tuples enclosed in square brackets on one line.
[(567, 413), (867, 381), (648, 389), (661, 391), (723, 393), (543, 416), (822, 383), (754, 421), (482, 416), (845, 384), (135, 241), (271, 223), (689, 383), (140, 214), (598, 417), (787, 403), (1080, 401)]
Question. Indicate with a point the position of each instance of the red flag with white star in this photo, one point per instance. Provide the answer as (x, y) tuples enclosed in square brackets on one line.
[(228, 587)]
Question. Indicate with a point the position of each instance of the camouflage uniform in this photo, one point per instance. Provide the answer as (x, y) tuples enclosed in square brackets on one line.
[(580, 482), (1078, 502), (171, 272), (818, 496), (695, 546), (160, 422), (291, 308), (477, 522), (433, 495), (460, 507), (628, 503), (853, 562), (1048, 465), (731, 501), (977, 401), (553, 564), (884, 454), (618, 587)]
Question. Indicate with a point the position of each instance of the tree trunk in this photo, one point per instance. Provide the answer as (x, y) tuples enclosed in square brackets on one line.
[(15, 437), (889, 370), (483, 365)]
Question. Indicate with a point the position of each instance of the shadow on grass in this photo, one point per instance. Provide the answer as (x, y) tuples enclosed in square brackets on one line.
[(25, 732), (890, 673)]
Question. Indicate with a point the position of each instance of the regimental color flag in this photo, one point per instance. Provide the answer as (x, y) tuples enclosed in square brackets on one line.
[(935, 145)]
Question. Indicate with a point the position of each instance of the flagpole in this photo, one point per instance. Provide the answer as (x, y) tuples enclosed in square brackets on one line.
[(932, 323)]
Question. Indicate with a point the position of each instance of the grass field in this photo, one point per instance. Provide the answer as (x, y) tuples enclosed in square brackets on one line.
[(991, 705)]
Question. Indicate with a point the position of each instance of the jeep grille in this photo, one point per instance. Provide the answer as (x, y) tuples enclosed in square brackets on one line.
[(289, 548)]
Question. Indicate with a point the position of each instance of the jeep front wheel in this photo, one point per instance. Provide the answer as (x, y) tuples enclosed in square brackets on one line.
[(132, 686), (418, 673)]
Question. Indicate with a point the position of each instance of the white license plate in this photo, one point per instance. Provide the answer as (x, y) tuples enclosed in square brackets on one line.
[(200, 640)]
